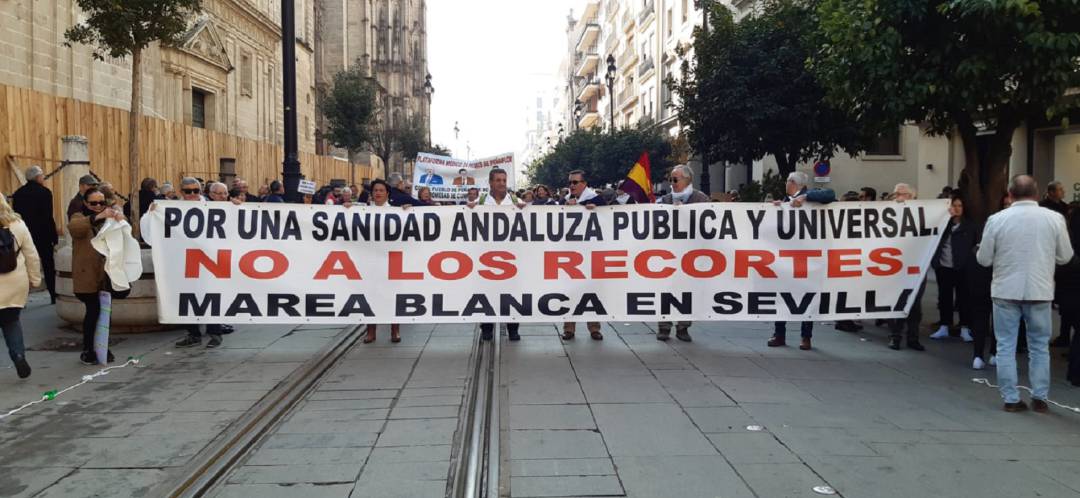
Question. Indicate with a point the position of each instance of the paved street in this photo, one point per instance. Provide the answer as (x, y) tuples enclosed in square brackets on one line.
[(627, 416)]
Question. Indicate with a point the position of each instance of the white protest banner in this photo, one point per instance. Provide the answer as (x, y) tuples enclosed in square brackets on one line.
[(450, 179), (281, 263)]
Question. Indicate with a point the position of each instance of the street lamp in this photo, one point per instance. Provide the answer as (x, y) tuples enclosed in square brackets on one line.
[(706, 7), (611, 88), (428, 90), (290, 166), (578, 108)]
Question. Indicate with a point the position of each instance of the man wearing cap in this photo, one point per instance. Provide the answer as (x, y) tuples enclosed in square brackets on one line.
[(76, 203), (33, 202)]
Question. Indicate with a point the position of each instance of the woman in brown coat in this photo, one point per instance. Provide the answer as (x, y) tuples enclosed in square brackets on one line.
[(88, 266)]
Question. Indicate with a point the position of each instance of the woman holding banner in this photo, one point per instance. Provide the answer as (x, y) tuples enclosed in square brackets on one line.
[(380, 197)]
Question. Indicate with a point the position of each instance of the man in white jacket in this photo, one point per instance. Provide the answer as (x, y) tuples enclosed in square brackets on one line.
[(1023, 244)]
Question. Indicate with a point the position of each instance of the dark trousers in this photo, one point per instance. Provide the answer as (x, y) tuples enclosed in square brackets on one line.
[(981, 312), (89, 323), (911, 323), (48, 268), (489, 328), (952, 296), (806, 330), (13, 336), (1070, 320), (1074, 363), (212, 329)]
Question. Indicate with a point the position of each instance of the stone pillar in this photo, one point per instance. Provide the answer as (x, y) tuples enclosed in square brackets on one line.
[(77, 149)]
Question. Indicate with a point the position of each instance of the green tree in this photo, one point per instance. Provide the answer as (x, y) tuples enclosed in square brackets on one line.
[(749, 95), (121, 29), (605, 156), (953, 65), (349, 109), (437, 149)]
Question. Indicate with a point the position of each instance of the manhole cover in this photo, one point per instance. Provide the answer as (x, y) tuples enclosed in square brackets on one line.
[(69, 345)]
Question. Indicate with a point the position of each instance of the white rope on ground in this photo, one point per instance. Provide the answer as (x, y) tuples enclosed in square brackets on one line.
[(51, 395), (1028, 389)]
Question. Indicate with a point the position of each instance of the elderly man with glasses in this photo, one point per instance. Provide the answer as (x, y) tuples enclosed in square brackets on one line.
[(798, 193), (682, 192)]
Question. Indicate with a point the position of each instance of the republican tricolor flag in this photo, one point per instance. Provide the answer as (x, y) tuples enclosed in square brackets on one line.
[(638, 182)]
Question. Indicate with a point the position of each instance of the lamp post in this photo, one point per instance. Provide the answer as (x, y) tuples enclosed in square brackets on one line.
[(290, 166), (578, 108), (706, 7), (611, 88), (428, 90)]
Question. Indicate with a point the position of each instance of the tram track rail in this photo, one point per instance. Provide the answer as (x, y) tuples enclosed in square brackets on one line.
[(214, 463), (475, 464)]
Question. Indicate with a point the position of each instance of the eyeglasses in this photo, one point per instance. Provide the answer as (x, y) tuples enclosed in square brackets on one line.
[(190, 190), (575, 182), (95, 203), (674, 179)]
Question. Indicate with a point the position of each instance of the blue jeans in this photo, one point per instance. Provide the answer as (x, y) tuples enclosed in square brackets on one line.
[(806, 329), (1007, 316), (13, 336)]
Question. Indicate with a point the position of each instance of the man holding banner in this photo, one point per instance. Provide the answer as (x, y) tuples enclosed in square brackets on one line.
[(682, 192), (797, 194), (581, 194), (499, 195)]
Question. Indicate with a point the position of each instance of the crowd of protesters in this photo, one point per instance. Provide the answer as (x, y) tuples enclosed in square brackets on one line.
[(990, 294)]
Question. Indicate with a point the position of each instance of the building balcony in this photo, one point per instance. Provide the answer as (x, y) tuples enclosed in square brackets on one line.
[(611, 9), (647, 15), (628, 20), (586, 64), (588, 89), (589, 119), (645, 69), (592, 8), (627, 58), (627, 97), (586, 41)]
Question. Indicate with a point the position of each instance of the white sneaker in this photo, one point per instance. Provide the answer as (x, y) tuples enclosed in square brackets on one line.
[(978, 364), (942, 333), (993, 361), (965, 334)]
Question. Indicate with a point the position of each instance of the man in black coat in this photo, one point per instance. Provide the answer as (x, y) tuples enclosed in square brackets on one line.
[(34, 203)]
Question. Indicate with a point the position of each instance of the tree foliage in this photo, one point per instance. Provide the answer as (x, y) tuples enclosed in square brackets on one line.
[(606, 157), (953, 65), (748, 93), (120, 29), (438, 149), (117, 29), (349, 109)]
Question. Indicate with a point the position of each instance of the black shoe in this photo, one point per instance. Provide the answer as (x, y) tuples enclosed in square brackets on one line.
[(88, 358), (22, 367), (514, 336), (109, 358), (486, 335), (215, 341), (227, 329), (1019, 406), (663, 336), (189, 341), (847, 326), (894, 343), (683, 336), (916, 346)]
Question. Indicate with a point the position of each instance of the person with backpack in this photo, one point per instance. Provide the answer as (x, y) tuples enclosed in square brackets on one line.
[(20, 269)]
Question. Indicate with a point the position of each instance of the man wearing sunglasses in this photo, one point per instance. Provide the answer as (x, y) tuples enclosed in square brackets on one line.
[(682, 192), (581, 194)]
